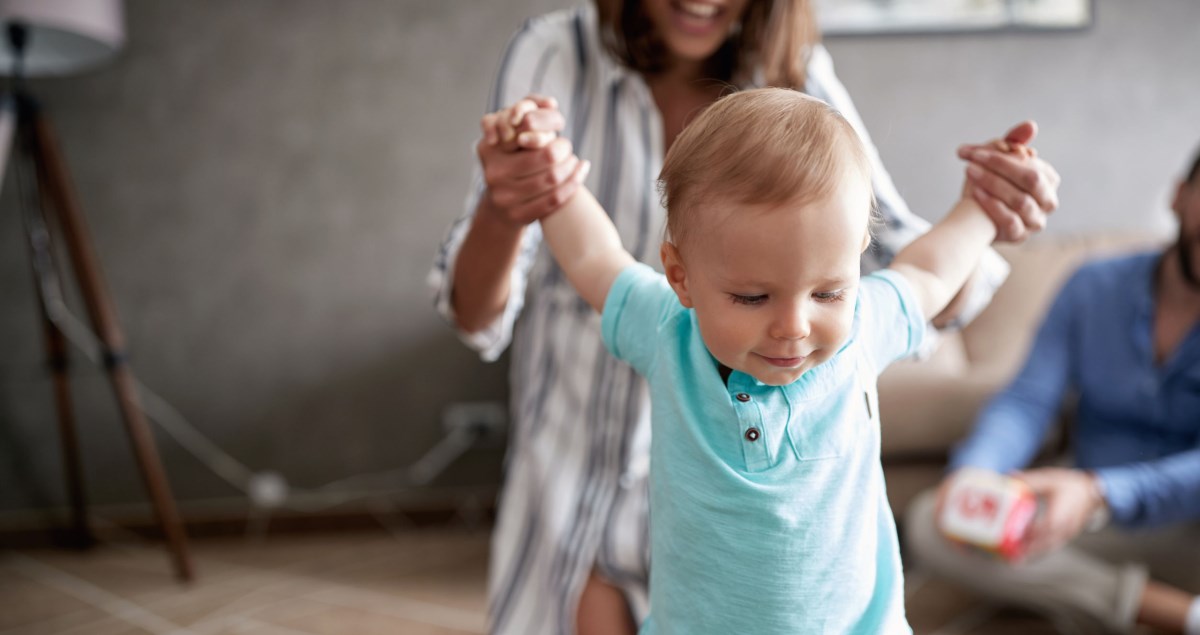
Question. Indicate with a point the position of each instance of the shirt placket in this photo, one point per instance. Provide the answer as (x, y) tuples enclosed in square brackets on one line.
[(750, 422)]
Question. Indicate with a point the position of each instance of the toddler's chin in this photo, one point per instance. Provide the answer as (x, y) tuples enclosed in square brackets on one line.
[(781, 377)]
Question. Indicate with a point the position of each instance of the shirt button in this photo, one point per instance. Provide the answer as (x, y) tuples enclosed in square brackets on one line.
[(743, 397), (752, 434)]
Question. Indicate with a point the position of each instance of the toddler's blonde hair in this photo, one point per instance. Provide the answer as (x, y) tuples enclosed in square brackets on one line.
[(761, 147)]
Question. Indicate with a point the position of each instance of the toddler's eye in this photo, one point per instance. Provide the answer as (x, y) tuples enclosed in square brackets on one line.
[(747, 299), (830, 296)]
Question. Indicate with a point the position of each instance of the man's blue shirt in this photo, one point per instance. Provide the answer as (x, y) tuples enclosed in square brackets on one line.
[(1137, 424)]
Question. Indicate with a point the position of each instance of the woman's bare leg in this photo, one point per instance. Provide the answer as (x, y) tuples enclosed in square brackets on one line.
[(603, 610)]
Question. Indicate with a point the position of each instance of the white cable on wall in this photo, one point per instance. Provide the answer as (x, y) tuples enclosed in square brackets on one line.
[(266, 489)]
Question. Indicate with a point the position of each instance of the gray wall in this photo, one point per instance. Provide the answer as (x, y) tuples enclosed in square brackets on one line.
[(267, 180)]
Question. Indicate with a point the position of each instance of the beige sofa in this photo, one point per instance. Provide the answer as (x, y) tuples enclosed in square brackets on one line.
[(928, 406)]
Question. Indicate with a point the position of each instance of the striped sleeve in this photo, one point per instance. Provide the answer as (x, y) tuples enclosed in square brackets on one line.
[(538, 59), (900, 225)]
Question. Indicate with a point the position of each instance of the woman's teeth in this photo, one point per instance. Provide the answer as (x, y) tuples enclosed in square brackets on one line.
[(698, 9)]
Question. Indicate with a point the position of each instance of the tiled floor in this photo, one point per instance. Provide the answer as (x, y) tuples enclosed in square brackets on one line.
[(356, 583), (421, 583)]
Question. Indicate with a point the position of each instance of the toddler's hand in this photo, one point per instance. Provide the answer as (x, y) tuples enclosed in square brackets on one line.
[(532, 122)]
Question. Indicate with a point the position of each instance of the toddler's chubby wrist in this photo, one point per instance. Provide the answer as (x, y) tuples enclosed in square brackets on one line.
[(967, 209)]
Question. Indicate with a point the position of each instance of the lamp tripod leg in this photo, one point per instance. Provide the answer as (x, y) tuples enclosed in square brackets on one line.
[(55, 189), (56, 349), (46, 283)]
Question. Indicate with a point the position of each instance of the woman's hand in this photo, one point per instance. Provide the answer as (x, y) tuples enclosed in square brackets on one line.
[(530, 171), (1017, 190)]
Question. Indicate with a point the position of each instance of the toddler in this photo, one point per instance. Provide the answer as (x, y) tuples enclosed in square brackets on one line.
[(761, 344)]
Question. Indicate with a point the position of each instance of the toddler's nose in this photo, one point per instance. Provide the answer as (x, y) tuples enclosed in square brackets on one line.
[(792, 324)]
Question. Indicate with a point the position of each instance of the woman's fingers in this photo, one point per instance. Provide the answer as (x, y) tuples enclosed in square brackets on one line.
[(1034, 178), (542, 119), (1023, 133), (553, 199), (535, 114), (543, 101), (555, 176), (1014, 199), (533, 161), (529, 104), (519, 110), (500, 165), (517, 179), (511, 117), (532, 139), (535, 127), (1009, 225), (967, 149)]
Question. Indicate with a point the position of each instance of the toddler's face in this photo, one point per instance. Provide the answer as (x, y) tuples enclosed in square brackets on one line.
[(774, 287)]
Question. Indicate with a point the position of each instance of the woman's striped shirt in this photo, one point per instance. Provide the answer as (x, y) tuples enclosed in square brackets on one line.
[(574, 496)]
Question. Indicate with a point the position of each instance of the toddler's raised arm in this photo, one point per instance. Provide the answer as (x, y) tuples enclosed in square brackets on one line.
[(586, 245), (580, 234), (938, 263)]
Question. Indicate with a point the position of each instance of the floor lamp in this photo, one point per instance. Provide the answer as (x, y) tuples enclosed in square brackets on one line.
[(56, 37)]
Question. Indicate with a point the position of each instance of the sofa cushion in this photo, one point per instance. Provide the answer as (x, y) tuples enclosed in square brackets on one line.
[(998, 340), (928, 406)]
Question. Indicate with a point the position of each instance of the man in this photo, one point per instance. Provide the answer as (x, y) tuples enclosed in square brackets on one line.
[(1124, 336)]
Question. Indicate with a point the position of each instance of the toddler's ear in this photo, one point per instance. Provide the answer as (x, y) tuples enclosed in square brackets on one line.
[(866, 242), (675, 272)]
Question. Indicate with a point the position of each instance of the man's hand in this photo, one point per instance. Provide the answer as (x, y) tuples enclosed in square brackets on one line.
[(1070, 497)]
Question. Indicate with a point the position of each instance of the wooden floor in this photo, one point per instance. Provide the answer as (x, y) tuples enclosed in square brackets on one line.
[(418, 582)]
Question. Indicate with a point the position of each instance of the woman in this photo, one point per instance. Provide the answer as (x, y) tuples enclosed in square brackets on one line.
[(619, 81)]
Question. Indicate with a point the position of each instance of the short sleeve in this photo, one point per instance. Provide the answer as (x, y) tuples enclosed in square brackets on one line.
[(888, 320), (639, 303)]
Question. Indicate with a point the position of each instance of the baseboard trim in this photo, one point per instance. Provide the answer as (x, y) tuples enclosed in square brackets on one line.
[(43, 528)]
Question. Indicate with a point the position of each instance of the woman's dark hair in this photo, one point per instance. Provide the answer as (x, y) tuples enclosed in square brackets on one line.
[(777, 35)]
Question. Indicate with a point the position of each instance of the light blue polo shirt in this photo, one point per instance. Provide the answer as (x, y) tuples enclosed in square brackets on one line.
[(767, 503)]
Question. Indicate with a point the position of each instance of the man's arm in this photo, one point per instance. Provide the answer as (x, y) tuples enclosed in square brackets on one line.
[(1155, 492), (587, 247)]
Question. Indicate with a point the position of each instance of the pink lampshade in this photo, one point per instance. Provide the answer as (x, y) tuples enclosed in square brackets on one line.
[(64, 35)]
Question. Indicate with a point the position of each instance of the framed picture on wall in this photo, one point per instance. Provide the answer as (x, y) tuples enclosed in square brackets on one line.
[(864, 17)]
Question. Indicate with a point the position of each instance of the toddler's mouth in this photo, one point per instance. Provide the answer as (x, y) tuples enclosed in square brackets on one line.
[(784, 362)]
